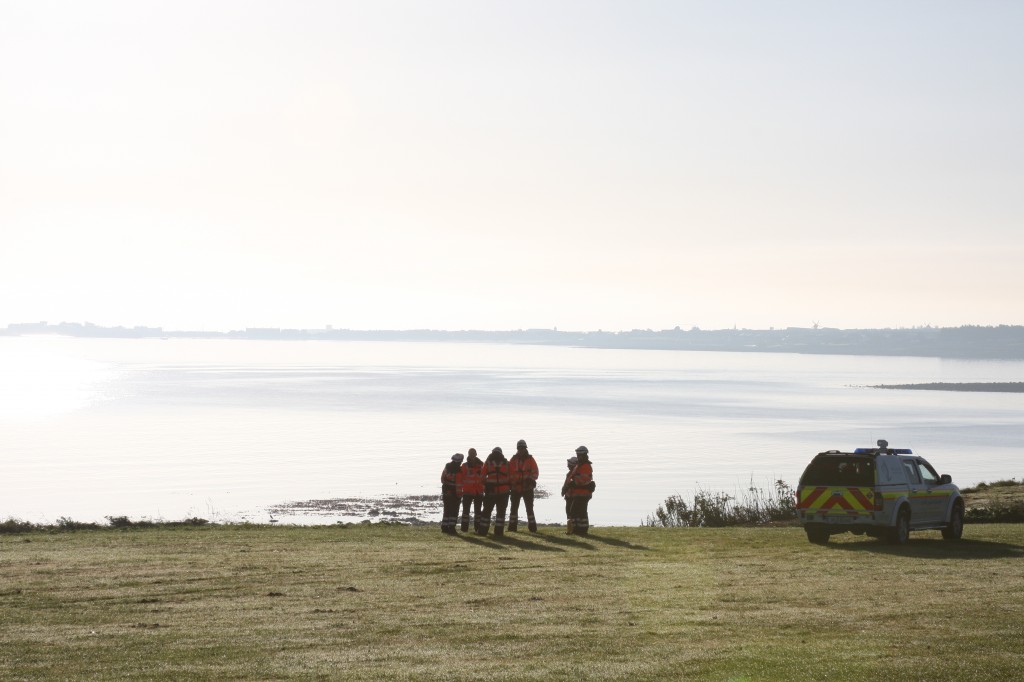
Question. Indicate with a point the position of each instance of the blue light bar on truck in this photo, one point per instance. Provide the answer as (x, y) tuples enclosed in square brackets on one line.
[(893, 451)]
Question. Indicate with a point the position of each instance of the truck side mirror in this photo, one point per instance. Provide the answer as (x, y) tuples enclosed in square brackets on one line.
[(945, 479)]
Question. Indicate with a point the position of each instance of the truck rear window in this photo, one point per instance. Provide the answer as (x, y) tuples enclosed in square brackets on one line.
[(840, 471)]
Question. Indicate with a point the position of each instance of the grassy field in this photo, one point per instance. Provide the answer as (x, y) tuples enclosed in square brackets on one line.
[(407, 603)]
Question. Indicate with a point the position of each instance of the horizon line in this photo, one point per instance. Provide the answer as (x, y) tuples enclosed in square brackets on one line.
[(45, 326)]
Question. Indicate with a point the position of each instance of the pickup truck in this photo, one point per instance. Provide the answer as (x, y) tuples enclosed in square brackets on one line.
[(882, 492)]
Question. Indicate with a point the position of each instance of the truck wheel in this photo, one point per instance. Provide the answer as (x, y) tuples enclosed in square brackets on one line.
[(818, 536), (955, 529), (900, 533)]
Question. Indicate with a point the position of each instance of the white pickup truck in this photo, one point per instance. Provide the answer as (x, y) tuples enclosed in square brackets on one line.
[(883, 492)]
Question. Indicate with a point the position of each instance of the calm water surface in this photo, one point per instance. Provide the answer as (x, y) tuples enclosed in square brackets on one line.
[(227, 429)]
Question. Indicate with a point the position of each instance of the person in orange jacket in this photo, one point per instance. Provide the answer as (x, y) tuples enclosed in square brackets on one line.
[(581, 486), (523, 474), (496, 490), (472, 478), (451, 493), (567, 493)]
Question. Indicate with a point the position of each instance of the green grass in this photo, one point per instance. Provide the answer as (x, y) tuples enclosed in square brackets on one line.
[(407, 603)]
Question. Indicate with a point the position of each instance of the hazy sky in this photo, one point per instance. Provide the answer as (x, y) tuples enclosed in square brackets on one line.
[(501, 165)]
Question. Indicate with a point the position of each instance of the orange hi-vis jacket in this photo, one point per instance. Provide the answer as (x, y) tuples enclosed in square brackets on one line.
[(450, 483), (567, 486), (523, 472), (580, 479), (496, 477), (472, 478)]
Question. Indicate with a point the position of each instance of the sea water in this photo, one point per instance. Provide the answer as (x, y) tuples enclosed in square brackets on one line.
[(241, 430)]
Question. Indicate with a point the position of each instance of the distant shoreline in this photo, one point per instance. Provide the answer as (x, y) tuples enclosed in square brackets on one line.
[(1003, 342), (973, 387)]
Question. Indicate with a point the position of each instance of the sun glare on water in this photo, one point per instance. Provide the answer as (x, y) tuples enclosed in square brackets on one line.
[(41, 378)]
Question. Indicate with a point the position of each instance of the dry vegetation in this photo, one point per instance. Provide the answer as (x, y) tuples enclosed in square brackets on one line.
[(996, 502), (406, 603)]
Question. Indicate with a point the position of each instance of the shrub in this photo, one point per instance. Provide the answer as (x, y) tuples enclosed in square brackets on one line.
[(67, 524), (17, 526), (716, 509), (119, 521), (997, 511), (125, 522)]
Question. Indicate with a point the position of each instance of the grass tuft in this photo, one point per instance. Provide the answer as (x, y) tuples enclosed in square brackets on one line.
[(1003, 483)]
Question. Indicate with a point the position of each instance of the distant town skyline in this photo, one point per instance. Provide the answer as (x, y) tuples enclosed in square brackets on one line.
[(484, 165), (970, 342)]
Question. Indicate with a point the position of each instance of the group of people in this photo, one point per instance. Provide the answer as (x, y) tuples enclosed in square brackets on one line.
[(486, 487)]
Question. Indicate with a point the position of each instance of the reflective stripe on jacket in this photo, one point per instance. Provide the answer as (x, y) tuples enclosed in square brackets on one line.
[(523, 472), (580, 479), (496, 477), (472, 478)]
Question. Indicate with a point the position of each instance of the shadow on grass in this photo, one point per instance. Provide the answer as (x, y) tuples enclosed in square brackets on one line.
[(936, 549), (522, 543), (506, 541), (566, 541), (481, 540), (534, 541), (618, 543)]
